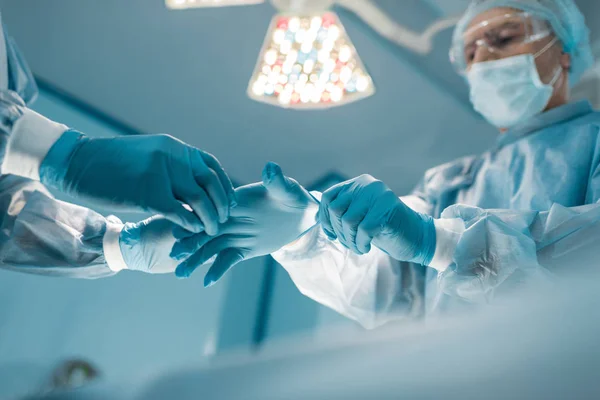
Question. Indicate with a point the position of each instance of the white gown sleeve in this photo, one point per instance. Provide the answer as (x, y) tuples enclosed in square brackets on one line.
[(44, 236), (371, 289)]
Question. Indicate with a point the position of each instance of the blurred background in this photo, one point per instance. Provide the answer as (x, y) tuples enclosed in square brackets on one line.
[(123, 67)]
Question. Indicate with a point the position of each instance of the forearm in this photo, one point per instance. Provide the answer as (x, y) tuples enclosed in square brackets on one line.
[(28, 138), (489, 248), (44, 236), (371, 289)]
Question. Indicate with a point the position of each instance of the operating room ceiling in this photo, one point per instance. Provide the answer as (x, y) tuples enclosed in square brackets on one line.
[(186, 73)]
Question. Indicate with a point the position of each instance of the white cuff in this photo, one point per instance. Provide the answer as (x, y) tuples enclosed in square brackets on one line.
[(448, 233), (110, 244), (30, 140)]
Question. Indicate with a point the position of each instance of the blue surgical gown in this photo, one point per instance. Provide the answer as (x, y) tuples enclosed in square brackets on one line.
[(519, 207)]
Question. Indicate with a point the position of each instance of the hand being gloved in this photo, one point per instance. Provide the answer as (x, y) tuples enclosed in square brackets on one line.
[(364, 211), (156, 173), (145, 246), (269, 215)]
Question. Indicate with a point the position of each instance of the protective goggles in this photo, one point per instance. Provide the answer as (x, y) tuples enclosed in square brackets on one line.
[(502, 35)]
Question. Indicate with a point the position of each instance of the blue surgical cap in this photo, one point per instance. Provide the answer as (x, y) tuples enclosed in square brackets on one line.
[(565, 18)]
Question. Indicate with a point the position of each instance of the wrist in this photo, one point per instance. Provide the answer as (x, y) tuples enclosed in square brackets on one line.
[(129, 245), (448, 234), (30, 138), (414, 236), (54, 168), (428, 237), (113, 254)]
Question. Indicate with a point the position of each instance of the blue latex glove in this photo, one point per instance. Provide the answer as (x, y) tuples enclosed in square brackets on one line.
[(145, 245), (155, 173), (364, 211), (268, 216)]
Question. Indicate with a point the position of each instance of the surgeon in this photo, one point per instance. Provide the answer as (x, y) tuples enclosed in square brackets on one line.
[(159, 174), (473, 228)]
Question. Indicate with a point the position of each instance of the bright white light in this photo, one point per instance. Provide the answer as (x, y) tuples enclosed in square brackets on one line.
[(285, 47), (269, 89), (273, 78), (328, 45), (278, 36), (308, 61), (323, 79), (285, 97), (305, 96), (315, 23), (258, 88), (306, 47), (323, 56), (294, 24), (291, 57), (300, 36), (345, 74), (362, 83), (334, 33), (336, 94), (308, 66), (183, 4), (329, 65), (345, 54), (271, 57), (316, 97)]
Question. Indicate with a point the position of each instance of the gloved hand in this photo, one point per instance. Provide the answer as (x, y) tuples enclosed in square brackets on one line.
[(268, 216), (364, 211), (156, 173), (145, 245)]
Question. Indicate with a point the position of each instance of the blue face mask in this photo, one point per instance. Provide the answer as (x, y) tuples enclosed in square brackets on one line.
[(510, 91)]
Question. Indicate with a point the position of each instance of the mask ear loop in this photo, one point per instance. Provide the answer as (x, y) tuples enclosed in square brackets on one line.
[(558, 72), (546, 48)]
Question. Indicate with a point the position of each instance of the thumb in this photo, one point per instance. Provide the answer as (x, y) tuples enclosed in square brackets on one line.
[(278, 184)]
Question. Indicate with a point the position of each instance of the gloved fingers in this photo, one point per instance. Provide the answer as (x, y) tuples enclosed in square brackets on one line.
[(214, 164), (324, 216), (350, 222), (198, 200), (372, 224), (367, 230), (189, 245), (212, 185), (177, 213), (226, 260), (336, 210), (210, 249), (181, 233)]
